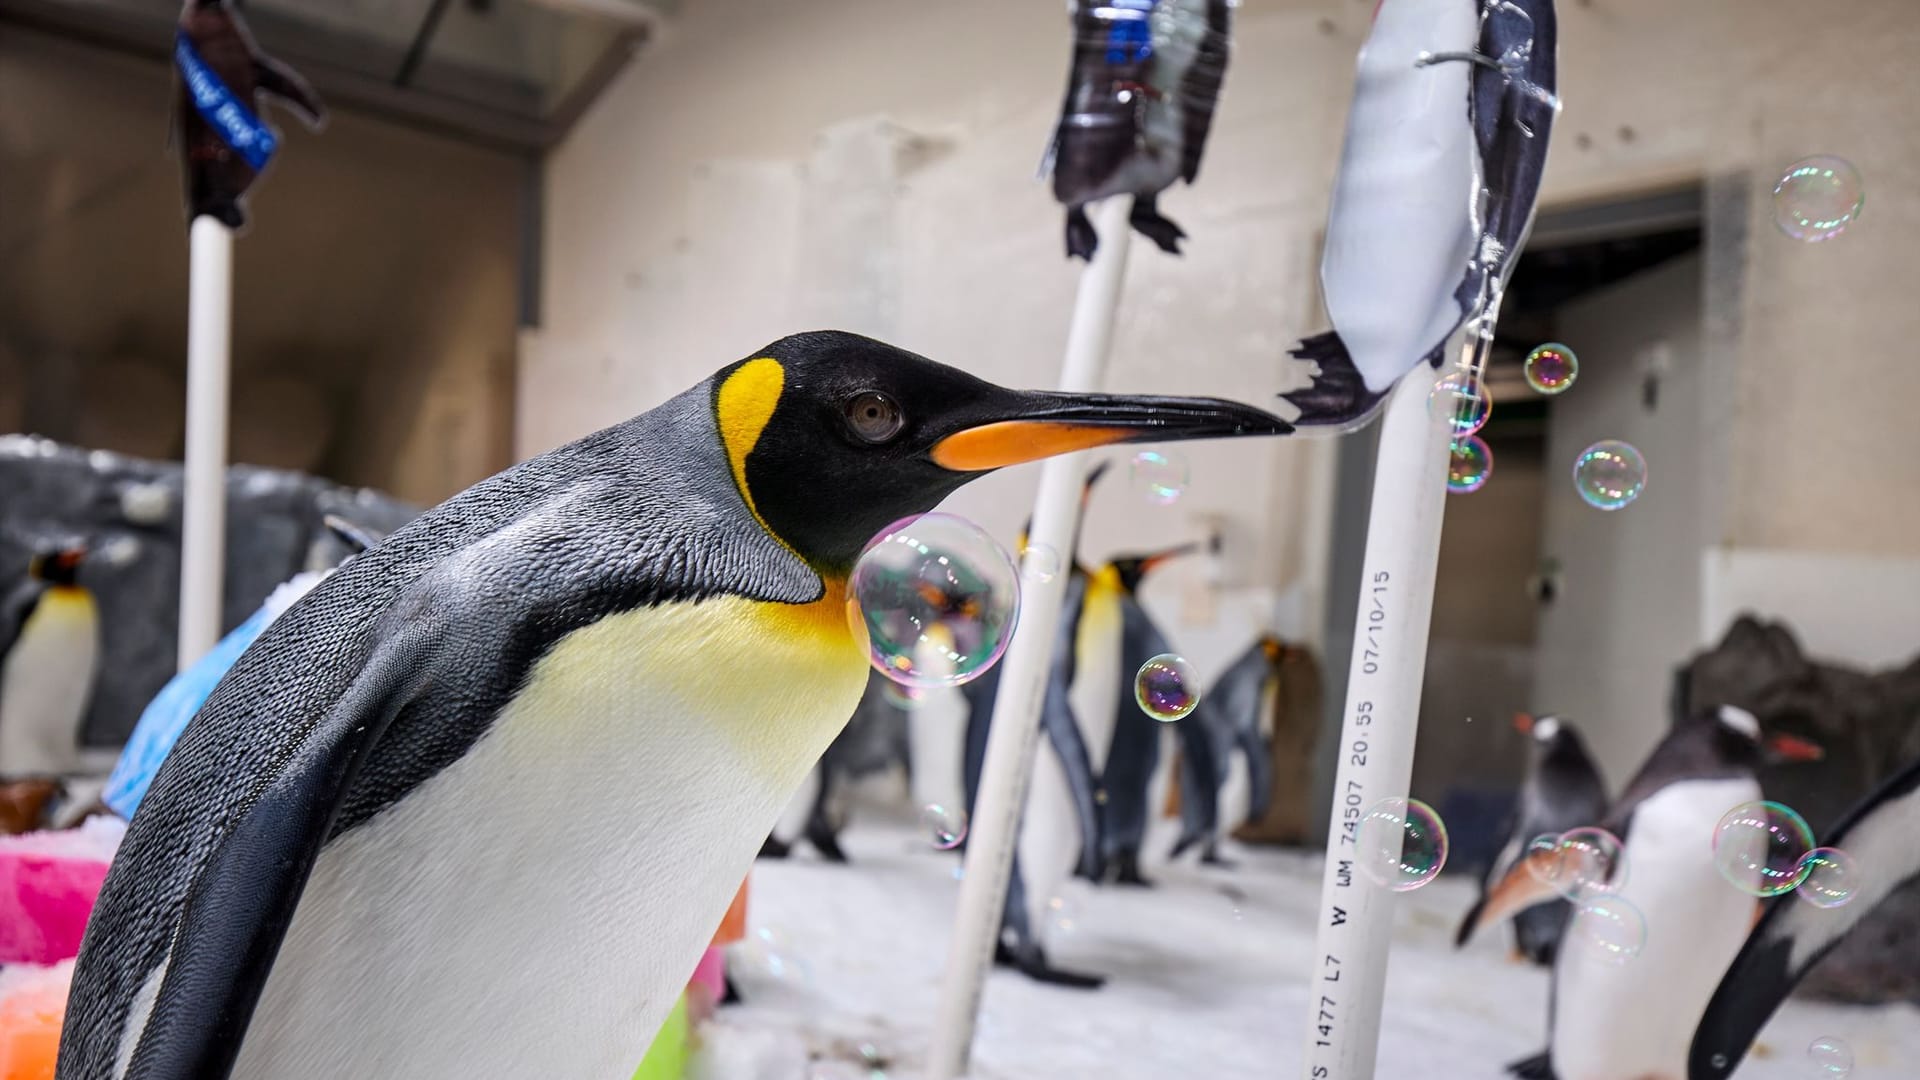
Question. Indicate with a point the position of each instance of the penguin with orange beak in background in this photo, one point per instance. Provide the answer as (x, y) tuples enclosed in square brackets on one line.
[(49, 647), (357, 838)]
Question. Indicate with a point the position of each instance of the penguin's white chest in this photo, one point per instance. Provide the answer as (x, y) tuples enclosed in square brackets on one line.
[(1636, 1020), (1404, 223), (45, 683), (536, 907)]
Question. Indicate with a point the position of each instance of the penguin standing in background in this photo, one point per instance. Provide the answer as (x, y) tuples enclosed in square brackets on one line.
[(1562, 790), (223, 76), (1060, 823), (362, 825), (1233, 712), (1453, 108), (1614, 1021), (1127, 779), (1140, 97), (49, 647), (1793, 935)]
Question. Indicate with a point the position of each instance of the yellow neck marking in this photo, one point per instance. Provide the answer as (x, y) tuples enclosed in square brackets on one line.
[(742, 407)]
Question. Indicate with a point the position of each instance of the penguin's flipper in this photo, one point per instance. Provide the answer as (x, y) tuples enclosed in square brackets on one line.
[(1063, 734), (273, 77), (1793, 936), (243, 897), (1147, 220), (1200, 88), (1537, 1067), (16, 609), (1259, 773), (1338, 396), (1082, 239), (1200, 774), (1525, 884)]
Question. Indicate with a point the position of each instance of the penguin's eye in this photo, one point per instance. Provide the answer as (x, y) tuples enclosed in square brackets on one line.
[(874, 416)]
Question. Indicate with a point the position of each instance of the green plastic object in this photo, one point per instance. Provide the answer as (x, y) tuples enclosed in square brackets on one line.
[(667, 1058)]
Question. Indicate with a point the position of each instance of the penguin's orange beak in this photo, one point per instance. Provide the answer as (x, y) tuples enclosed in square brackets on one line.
[(1794, 748), (1036, 425), (1523, 723)]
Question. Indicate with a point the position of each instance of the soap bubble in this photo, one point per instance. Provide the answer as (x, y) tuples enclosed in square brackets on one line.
[(935, 599), (1551, 368), (1469, 465), (1166, 687), (1609, 474), (1610, 928), (1041, 562), (1402, 844), (1579, 862), (1462, 400), (946, 825), (1832, 1058), (1828, 878), (765, 953), (1818, 198), (1063, 914), (1160, 476), (1761, 847), (904, 698)]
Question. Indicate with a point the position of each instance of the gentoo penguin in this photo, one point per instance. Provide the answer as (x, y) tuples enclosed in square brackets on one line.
[(167, 715), (1235, 708), (1562, 790), (49, 644), (1793, 935), (1127, 779), (1140, 96), (1447, 137), (1060, 822), (223, 142), (369, 825), (817, 811), (1634, 1020)]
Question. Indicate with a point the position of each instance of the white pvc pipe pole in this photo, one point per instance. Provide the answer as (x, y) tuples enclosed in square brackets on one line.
[(203, 532), (1349, 965), (1023, 670)]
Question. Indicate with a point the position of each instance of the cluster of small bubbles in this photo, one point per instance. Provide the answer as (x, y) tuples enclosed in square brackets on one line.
[(1401, 844), (1063, 914), (1832, 1058), (1828, 878), (935, 599), (1160, 476), (1817, 198), (1469, 464), (1610, 927), (1166, 687), (1462, 400), (945, 825), (1761, 847), (1609, 474), (1041, 563), (1551, 368), (1579, 863)]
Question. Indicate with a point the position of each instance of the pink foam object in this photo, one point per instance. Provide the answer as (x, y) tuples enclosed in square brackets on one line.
[(48, 882), (711, 973)]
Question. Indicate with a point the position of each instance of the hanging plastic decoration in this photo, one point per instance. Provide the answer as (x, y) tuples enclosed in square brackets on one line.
[(1140, 99), (224, 144), (1446, 142)]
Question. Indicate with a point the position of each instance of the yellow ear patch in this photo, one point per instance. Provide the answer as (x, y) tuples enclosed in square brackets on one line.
[(742, 407)]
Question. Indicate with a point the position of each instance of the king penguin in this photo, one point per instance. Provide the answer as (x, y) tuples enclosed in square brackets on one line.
[(365, 833), (1793, 936), (818, 810), (1127, 777), (49, 643), (1562, 790), (1236, 706), (1060, 822), (1453, 107), (1635, 1021)]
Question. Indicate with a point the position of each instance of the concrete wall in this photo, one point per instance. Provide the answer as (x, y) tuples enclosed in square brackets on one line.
[(374, 297), (685, 229)]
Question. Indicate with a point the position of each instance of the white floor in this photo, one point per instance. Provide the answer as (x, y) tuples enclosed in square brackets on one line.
[(1208, 981)]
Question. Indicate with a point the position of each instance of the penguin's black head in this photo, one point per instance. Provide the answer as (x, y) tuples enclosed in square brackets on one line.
[(57, 566), (1133, 569), (833, 436), (1738, 740)]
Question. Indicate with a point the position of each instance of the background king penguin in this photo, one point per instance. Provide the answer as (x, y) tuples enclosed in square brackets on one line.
[(363, 858)]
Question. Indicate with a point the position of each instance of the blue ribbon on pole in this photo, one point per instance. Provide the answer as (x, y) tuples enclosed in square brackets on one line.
[(239, 128)]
